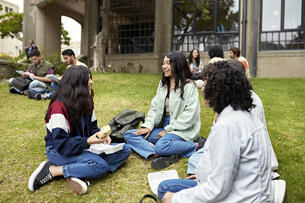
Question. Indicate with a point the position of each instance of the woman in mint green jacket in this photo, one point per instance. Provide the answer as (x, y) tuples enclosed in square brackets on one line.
[(173, 120)]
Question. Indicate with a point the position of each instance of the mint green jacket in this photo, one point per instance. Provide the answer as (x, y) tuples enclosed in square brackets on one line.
[(184, 114)]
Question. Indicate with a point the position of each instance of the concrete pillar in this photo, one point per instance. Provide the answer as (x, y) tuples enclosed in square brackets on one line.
[(43, 25), (89, 29), (29, 22), (163, 27), (250, 32)]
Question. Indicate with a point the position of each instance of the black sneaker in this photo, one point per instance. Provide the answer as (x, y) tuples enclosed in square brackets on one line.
[(79, 186), (37, 96), (164, 161), (201, 142), (40, 176), (13, 91)]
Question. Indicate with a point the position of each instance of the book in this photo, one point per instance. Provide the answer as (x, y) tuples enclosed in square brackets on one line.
[(21, 72), (53, 78), (105, 148), (154, 179)]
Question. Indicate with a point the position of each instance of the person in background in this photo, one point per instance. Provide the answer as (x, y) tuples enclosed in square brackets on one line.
[(70, 59), (30, 48), (235, 55), (37, 72), (71, 127), (195, 64), (235, 165), (215, 54)]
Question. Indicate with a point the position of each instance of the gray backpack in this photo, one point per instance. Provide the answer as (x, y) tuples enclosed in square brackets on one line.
[(126, 120)]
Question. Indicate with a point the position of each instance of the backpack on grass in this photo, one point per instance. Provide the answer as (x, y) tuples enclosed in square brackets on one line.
[(126, 120), (21, 83)]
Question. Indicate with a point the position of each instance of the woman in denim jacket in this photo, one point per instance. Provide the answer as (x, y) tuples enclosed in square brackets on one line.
[(173, 120)]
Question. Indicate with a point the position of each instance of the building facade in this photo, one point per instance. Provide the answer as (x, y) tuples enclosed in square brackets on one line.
[(9, 46), (140, 32)]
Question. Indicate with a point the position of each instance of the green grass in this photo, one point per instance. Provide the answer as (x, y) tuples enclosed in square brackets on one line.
[(22, 146)]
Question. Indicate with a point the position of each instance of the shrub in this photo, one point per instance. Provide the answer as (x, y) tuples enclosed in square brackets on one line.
[(55, 59)]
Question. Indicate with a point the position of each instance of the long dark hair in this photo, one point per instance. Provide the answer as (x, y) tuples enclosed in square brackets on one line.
[(190, 57), (73, 91), (180, 70), (226, 85)]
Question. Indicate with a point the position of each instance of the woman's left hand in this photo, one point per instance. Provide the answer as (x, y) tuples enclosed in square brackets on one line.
[(167, 198), (161, 134), (108, 140)]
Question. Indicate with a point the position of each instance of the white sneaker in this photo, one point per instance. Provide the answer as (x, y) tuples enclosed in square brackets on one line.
[(77, 185)]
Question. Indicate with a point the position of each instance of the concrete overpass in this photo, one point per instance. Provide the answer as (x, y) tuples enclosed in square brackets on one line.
[(42, 22)]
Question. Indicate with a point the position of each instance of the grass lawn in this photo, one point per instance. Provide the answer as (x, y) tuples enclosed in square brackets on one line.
[(22, 146)]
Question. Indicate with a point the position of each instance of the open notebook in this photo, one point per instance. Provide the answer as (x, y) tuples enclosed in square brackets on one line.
[(156, 178), (104, 148)]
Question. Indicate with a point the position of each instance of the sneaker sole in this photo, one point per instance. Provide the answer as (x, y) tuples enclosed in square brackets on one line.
[(78, 186), (159, 164), (34, 175)]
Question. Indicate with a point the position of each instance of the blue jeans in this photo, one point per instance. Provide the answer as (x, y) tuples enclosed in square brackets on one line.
[(86, 164), (174, 185), (194, 161), (37, 87), (168, 145), (54, 88)]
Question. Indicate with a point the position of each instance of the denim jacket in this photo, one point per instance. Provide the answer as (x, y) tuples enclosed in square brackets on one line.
[(184, 113)]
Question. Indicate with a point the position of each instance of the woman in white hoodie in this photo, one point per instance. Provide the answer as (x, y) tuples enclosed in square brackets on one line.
[(235, 165)]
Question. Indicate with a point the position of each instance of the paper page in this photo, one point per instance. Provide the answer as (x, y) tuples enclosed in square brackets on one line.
[(156, 178)]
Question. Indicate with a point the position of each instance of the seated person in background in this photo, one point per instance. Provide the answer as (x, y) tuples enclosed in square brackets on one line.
[(235, 55), (71, 129), (70, 60), (215, 54), (235, 165), (257, 111), (195, 64), (37, 71), (173, 120)]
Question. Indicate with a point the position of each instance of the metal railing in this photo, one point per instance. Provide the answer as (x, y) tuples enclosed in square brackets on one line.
[(283, 40), (204, 40)]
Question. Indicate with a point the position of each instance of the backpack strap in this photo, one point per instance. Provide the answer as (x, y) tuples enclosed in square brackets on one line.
[(150, 197)]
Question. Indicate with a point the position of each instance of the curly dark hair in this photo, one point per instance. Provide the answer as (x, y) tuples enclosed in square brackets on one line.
[(190, 57), (180, 69), (226, 85), (73, 91)]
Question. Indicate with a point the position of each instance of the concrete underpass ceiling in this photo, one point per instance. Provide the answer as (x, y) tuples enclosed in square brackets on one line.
[(74, 9)]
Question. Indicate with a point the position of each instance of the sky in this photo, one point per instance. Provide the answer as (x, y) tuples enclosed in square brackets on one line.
[(70, 25)]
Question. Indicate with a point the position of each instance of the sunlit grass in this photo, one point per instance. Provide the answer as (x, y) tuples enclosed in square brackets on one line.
[(22, 146)]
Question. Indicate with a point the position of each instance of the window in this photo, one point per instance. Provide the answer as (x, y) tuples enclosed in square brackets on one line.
[(282, 25), (204, 23), (132, 25), (6, 9)]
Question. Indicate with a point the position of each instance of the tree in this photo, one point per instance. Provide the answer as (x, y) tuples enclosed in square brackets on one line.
[(65, 39), (11, 26)]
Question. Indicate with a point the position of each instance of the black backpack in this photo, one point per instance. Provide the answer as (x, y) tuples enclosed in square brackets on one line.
[(126, 120), (21, 83)]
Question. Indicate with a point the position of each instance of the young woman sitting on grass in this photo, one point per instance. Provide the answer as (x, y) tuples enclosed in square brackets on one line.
[(71, 129), (235, 165), (173, 120)]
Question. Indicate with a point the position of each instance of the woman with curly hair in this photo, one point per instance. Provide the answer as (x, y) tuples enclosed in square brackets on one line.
[(195, 64), (71, 128), (173, 120), (235, 165)]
